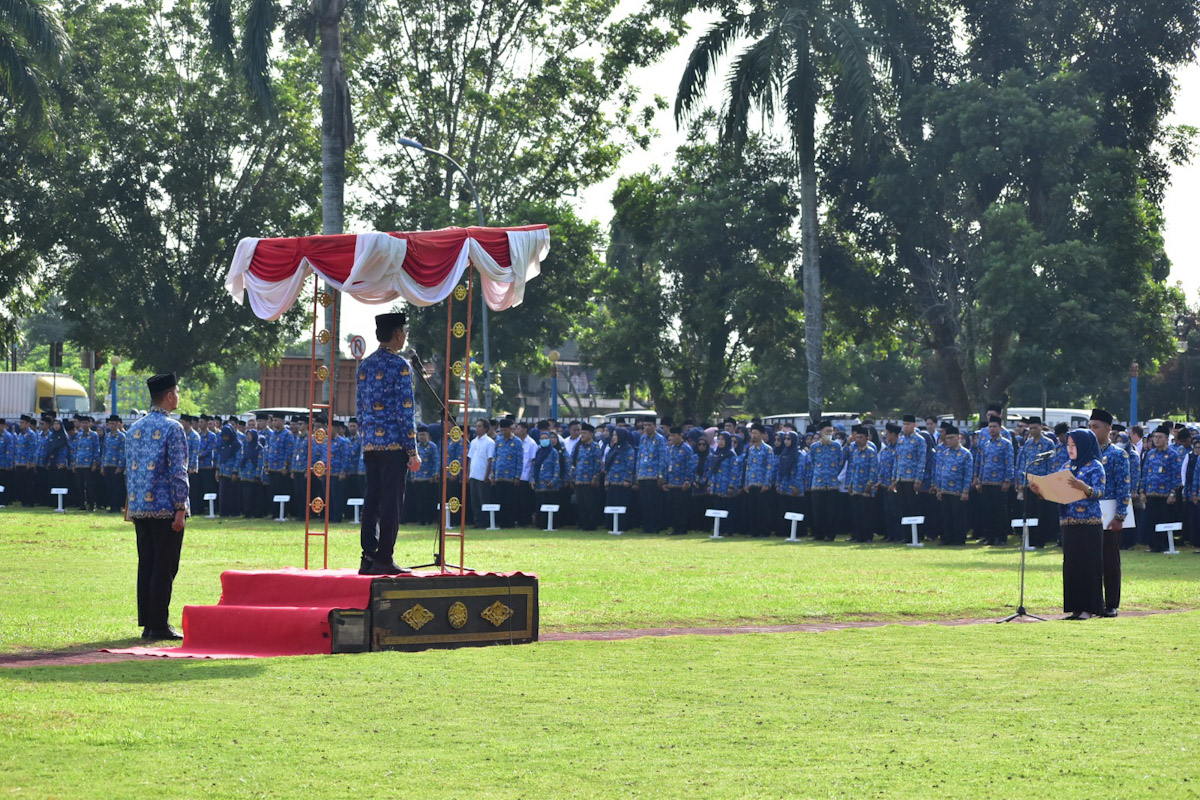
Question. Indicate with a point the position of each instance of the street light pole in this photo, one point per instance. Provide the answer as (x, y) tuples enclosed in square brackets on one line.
[(487, 351)]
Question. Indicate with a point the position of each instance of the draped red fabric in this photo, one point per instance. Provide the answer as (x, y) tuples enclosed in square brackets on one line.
[(430, 257)]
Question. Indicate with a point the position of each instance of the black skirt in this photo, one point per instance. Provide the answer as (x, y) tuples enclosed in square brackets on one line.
[(1083, 568)]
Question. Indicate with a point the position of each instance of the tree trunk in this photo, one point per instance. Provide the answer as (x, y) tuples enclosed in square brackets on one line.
[(335, 130), (814, 323)]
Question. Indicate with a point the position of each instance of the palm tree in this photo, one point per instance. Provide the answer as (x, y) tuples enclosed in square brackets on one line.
[(319, 22), (33, 46), (800, 53)]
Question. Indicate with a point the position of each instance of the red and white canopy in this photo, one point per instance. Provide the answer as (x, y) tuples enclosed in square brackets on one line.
[(423, 268)]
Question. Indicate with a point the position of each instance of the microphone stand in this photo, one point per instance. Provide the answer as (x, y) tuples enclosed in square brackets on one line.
[(439, 555), (1021, 612)]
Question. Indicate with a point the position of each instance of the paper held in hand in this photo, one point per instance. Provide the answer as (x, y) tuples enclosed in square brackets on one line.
[(1056, 487), (1108, 510)]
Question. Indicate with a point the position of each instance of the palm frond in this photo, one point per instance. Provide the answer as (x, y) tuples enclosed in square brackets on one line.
[(19, 79), (855, 84), (703, 60), (801, 93), (220, 27), (753, 81), (261, 18), (39, 27)]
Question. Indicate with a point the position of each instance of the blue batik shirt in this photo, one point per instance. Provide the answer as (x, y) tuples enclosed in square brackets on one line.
[(1160, 472), (587, 461), (885, 466), (385, 402), (1027, 459), (793, 484), (208, 448), (953, 470), (824, 465), (652, 458), (279, 451), (509, 458), (156, 460), (549, 475), (1060, 457), (758, 465), (623, 466), (996, 461), (250, 459), (114, 450), (681, 465), (1135, 470), (357, 467), (910, 459), (861, 468), (1116, 477), (27, 448), (431, 462), (1087, 510), (193, 443), (228, 454), (724, 475), (85, 449), (340, 463), (8, 450)]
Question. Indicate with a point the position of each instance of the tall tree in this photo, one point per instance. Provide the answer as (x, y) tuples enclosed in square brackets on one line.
[(802, 54), (33, 47), (320, 23), (698, 274), (164, 175)]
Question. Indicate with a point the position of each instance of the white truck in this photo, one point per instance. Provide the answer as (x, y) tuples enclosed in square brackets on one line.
[(35, 392)]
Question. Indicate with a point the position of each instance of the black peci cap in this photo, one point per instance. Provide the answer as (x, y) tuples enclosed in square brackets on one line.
[(1102, 415), (160, 383)]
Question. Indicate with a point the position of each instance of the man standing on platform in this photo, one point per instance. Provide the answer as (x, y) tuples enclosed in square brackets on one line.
[(385, 412), (156, 463), (1116, 489)]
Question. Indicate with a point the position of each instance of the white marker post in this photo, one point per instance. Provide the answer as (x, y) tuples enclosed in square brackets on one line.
[(61, 492), (1169, 529), (1025, 525), (794, 517), (616, 512), (211, 498), (1, 492), (282, 499), (549, 510), (717, 515), (357, 503), (491, 508), (914, 522)]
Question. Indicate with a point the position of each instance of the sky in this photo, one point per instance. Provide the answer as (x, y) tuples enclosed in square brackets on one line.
[(1182, 201)]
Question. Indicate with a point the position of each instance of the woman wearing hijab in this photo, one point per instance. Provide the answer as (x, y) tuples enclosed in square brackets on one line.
[(619, 465), (1082, 538), (789, 483), (248, 473), (548, 473), (229, 494), (700, 496), (725, 478)]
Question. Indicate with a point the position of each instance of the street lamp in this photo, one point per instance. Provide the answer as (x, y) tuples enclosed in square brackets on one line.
[(487, 354)]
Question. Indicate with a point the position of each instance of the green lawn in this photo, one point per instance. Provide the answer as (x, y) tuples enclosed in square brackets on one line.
[(1097, 709), (1104, 708), (69, 581)]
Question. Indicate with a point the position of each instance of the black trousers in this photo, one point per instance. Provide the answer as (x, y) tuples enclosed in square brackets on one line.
[(548, 497), (590, 500), (650, 503), (790, 503), (930, 509), (386, 471), (504, 492), (862, 518), (619, 496), (26, 482), (229, 497), (85, 488), (158, 550), (1159, 511), (825, 504), (994, 519), (954, 519), (679, 505), (1083, 557), (759, 503), (115, 488), (1111, 556), (910, 503), (252, 498), (277, 483), (337, 498), (481, 493)]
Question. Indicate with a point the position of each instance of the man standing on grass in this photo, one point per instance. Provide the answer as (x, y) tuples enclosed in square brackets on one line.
[(156, 470), (385, 411)]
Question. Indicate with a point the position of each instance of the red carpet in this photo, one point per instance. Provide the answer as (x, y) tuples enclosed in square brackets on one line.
[(270, 613)]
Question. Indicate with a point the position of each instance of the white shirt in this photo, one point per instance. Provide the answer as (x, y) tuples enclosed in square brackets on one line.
[(478, 455), (530, 451), (569, 445)]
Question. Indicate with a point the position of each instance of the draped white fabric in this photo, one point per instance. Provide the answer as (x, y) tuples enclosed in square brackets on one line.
[(377, 275)]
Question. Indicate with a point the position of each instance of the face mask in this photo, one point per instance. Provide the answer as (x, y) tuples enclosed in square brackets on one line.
[(544, 443), (826, 437)]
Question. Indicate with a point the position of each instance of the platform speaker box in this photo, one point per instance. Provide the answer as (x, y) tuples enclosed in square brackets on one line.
[(418, 613)]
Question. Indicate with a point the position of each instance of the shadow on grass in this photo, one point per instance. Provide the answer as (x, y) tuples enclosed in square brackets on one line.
[(157, 671)]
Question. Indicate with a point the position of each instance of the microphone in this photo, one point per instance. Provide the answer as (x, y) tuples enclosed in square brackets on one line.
[(1046, 454)]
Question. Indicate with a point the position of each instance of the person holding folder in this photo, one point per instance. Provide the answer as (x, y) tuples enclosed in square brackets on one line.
[(1082, 537)]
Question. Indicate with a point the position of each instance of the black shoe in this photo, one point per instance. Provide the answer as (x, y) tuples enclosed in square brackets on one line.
[(1109, 612), (364, 565), (1073, 616), (161, 634), (386, 569)]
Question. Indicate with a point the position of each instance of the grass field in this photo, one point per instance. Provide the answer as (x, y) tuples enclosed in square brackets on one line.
[(1104, 708)]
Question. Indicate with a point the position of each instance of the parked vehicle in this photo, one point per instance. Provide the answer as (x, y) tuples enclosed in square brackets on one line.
[(30, 392)]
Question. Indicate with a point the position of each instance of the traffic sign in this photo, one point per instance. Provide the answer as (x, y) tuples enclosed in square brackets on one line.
[(358, 347)]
